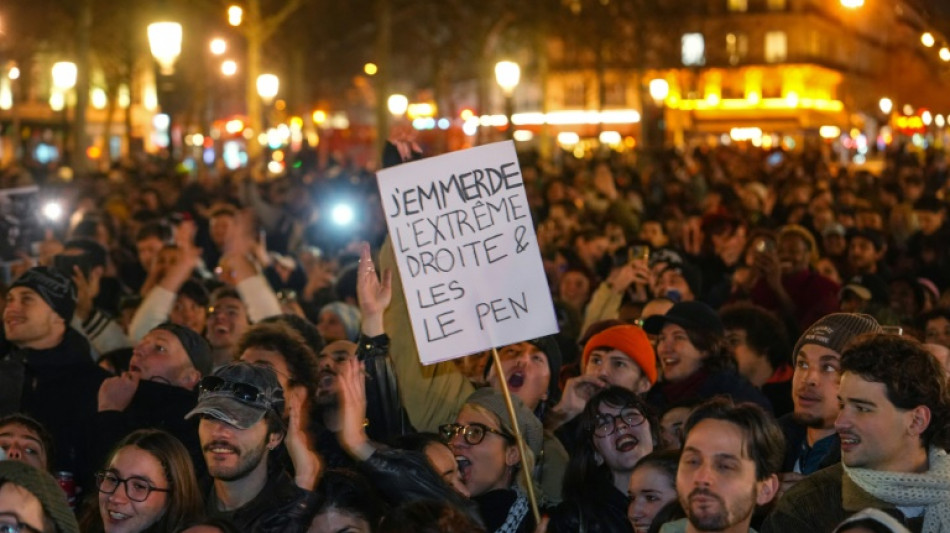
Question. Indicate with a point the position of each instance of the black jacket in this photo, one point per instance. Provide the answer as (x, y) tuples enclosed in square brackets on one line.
[(280, 507), (604, 512), (59, 387), (795, 435)]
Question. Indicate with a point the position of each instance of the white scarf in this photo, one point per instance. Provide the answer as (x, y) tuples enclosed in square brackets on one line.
[(905, 489)]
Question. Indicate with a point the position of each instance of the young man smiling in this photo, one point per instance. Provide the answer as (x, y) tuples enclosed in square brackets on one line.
[(892, 424)]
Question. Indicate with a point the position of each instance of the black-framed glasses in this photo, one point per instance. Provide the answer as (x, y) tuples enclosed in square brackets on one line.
[(10, 523), (606, 424), (473, 433), (241, 391), (136, 488)]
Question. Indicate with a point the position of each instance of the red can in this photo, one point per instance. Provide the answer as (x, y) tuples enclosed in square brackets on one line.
[(68, 484)]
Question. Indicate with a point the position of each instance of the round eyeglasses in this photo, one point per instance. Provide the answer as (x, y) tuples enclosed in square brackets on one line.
[(10, 523), (605, 424), (136, 488), (473, 433)]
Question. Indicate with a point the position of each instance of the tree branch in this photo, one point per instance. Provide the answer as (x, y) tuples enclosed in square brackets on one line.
[(271, 24)]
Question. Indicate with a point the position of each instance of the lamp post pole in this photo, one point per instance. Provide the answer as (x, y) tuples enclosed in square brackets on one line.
[(508, 75), (164, 39)]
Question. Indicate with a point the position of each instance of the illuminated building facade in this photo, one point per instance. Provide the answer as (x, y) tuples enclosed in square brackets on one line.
[(787, 68)]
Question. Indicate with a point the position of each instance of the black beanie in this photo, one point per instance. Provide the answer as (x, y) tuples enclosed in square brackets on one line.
[(197, 348), (54, 288)]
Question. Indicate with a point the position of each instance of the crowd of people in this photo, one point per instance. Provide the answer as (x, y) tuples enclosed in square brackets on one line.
[(746, 341)]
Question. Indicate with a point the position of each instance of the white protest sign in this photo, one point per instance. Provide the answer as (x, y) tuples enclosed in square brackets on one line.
[(467, 253)]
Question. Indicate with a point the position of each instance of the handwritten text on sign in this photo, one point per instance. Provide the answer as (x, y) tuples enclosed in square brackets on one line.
[(467, 253)]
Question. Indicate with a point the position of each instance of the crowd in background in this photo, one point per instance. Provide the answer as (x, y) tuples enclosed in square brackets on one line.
[(218, 353)]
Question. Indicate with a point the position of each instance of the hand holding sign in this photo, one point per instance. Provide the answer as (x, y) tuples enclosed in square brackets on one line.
[(374, 296)]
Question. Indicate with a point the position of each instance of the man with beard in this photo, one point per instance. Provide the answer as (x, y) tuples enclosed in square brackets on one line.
[(812, 443), (241, 407), (893, 430), (728, 467)]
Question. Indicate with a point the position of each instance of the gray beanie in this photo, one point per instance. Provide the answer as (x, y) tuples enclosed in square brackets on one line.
[(531, 429), (836, 330), (47, 491)]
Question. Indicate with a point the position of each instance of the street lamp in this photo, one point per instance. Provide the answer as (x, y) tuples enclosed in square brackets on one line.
[(886, 105), (852, 4), (508, 74), (397, 104), (927, 39), (229, 67), (659, 89), (64, 75), (164, 40), (235, 15), (267, 87), (218, 46)]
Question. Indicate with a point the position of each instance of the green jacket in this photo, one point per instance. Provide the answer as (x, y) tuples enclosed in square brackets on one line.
[(433, 395)]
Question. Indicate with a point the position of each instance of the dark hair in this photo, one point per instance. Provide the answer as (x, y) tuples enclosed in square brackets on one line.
[(95, 252), (417, 442), (667, 461), (909, 373), (348, 492), (225, 291), (765, 333), (184, 496), (303, 326), (281, 338), (220, 523), (428, 516), (933, 314), (764, 441), (582, 472), (712, 344), (30, 423)]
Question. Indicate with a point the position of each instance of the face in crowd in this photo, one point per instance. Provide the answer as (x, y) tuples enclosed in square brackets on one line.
[(679, 358), (613, 367), (651, 488), (30, 322), (17, 504), (328, 363), (133, 474), (621, 437), (331, 327), (815, 386), (159, 356), (716, 480), (227, 322), (232, 453), (937, 331), (526, 368), (442, 460), (486, 454), (189, 313), (24, 444)]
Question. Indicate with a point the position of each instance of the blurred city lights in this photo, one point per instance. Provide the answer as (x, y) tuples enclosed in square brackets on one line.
[(234, 126), (229, 67), (466, 114), (927, 117), (928, 39), (161, 121), (218, 46), (507, 74), (6, 95), (940, 121), (319, 116), (523, 135), (568, 138), (611, 138), (93, 152), (124, 99), (829, 132), (397, 104), (235, 15), (945, 53), (852, 4), (53, 211), (57, 101), (420, 110), (342, 214), (886, 105), (370, 69), (14, 73), (659, 89), (267, 86), (164, 41), (296, 123), (908, 109), (98, 98), (64, 75)]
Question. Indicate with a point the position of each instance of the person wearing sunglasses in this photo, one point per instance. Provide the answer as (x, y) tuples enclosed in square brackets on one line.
[(147, 485), (32, 502), (616, 430), (240, 409)]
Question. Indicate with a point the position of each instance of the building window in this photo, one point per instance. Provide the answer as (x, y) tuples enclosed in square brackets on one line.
[(576, 94), (737, 47), (739, 5), (693, 47), (776, 47), (777, 5)]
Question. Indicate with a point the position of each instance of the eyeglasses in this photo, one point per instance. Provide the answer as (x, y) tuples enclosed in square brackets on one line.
[(241, 391), (137, 489), (473, 433), (606, 424), (10, 523)]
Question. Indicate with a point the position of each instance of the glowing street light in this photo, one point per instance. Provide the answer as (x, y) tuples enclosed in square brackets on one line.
[(14, 73), (659, 89), (397, 104), (886, 105), (945, 53), (508, 75), (235, 15), (370, 69), (852, 4), (164, 40), (64, 75), (228, 67), (267, 87), (218, 46), (927, 39)]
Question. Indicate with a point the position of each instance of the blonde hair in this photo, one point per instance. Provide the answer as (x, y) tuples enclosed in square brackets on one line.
[(527, 462)]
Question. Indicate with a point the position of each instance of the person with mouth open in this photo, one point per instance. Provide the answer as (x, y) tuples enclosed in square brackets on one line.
[(695, 360), (148, 485), (617, 430), (893, 422), (729, 466)]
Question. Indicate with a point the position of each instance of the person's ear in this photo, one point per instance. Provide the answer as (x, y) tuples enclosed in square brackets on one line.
[(766, 490), (920, 417), (191, 378), (512, 455), (274, 439), (642, 385)]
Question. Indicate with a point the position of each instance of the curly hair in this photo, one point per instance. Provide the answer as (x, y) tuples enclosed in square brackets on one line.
[(283, 339), (911, 376), (765, 333)]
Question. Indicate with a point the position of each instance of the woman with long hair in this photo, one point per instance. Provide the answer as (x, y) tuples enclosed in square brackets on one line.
[(652, 488), (148, 485), (616, 430)]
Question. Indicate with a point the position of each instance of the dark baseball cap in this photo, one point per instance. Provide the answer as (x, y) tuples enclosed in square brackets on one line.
[(240, 394), (687, 315)]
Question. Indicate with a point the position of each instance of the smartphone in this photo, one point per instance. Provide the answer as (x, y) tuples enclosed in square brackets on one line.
[(765, 246), (65, 263), (639, 252)]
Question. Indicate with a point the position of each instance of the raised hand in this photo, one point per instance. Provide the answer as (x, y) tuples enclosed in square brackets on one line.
[(115, 393), (307, 463), (352, 387), (374, 294)]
